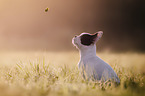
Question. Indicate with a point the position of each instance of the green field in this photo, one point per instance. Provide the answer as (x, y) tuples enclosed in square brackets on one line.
[(56, 74)]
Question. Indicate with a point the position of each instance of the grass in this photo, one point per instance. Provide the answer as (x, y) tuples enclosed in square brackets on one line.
[(56, 74)]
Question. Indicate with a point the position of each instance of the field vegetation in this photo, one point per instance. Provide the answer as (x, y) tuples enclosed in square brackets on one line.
[(56, 74)]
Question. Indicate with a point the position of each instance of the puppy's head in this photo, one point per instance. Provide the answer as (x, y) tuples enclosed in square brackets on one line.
[(86, 39)]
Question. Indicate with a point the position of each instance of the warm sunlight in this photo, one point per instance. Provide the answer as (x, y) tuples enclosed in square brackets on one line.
[(72, 48)]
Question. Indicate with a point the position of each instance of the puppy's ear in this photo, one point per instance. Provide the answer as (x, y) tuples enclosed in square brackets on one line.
[(97, 36)]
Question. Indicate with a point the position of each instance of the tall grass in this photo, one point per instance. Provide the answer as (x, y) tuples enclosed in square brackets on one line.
[(56, 74)]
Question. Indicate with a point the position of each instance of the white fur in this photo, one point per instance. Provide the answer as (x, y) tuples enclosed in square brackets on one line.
[(91, 66)]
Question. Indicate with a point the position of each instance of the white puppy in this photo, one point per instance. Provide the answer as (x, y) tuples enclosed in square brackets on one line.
[(90, 65)]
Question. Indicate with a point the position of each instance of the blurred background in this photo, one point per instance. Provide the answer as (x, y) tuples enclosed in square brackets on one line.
[(24, 24)]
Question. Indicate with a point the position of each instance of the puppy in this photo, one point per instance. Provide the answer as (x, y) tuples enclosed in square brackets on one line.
[(91, 66)]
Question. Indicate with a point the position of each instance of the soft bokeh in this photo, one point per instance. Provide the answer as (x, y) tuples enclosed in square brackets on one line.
[(37, 57), (24, 24)]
